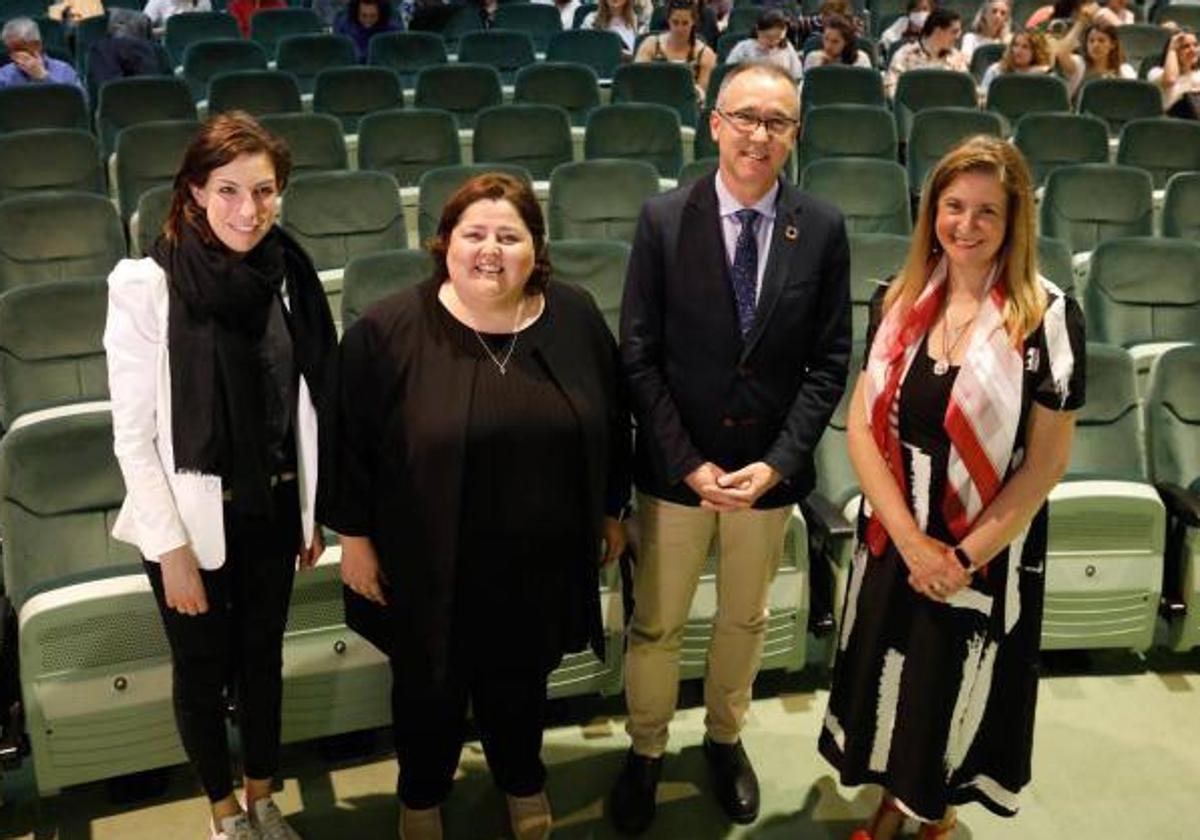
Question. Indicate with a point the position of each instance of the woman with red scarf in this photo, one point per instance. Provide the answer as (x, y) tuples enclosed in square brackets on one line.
[(959, 427)]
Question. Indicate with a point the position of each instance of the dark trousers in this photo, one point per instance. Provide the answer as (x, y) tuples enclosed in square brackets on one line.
[(236, 646), (509, 710)]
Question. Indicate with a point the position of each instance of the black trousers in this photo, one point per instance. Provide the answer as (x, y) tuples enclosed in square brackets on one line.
[(235, 649)]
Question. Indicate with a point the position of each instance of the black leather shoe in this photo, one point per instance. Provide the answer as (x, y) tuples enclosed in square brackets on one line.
[(632, 802), (734, 781)]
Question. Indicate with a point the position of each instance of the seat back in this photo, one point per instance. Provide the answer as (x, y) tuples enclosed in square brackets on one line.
[(187, 28), (52, 346), (1143, 290), (152, 210), (985, 56), (925, 88), (1117, 101), (58, 236), (270, 26), (408, 143), (874, 257), (1054, 263), (49, 159), (935, 131), (337, 216), (315, 141), (1181, 207), (1181, 12), (462, 89), (406, 53), (636, 131), (537, 137), (42, 106), (1140, 41), (507, 51), (847, 131), (257, 92), (205, 59), (1051, 140), (836, 479), (597, 266), (436, 186), (569, 85), (600, 50), (149, 154), (839, 84), (1013, 95), (599, 199), (1162, 146), (1172, 409), (139, 99), (304, 56), (1086, 204), (665, 83), (694, 170), (372, 277), (349, 93), (872, 194), (1106, 443), (540, 22)]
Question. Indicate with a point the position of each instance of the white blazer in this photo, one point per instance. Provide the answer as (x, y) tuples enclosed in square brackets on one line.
[(164, 509)]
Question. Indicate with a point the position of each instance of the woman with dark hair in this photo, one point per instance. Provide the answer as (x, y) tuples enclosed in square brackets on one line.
[(1178, 75), (1103, 56), (936, 48), (362, 21), (770, 44), (839, 45), (482, 449), (680, 45), (217, 349)]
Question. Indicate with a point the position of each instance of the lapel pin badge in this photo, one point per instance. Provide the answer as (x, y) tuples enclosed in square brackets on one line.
[(790, 233)]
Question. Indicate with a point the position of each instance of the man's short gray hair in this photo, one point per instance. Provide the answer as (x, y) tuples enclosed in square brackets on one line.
[(21, 29), (763, 67)]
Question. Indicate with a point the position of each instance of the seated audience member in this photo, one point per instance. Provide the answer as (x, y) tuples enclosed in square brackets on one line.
[(1026, 53), (907, 27), (992, 25), (839, 45), (29, 64), (769, 44), (1103, 57), (615, 16), (1179, 76), (935, 48), (805, 26), (679, 44), (159, 10), (126, 50), (243, 10), (1115, 13), (363, 20), (566, 10)]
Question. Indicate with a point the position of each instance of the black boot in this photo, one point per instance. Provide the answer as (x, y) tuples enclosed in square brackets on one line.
[(734, 782), (632, 801)]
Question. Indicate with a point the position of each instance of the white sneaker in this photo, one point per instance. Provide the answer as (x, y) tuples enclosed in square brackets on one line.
[(237, 827), (268, 821)]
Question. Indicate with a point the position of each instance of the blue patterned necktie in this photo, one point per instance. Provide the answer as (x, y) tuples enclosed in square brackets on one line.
[(745, 268)]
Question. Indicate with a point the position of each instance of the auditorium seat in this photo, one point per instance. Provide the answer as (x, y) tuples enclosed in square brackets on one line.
[(1140, 41), (839, 84), (1181, 207), (694, 170), (406, 53), (149, 154), (408, 143), (435, 187), (1013, 95), (58, 236), (205, 59), (540, 22), (846, 131), (935, 131), (599, 199), (1088, 203), (1054, 263), (315, 141), (49, 159), (596, 265), (42, 106), (257, 92), (925, 88), (1117, 101), (1051, 140), (372, 277), (185, 29), (350, 93), (874, 257), (147, 221), (537, 137), (505, 51), (139, 99), (664, 83), (304, 56), (270, 26), (872, 194), (636, 131), (598, 49), (1163, 146), (569, 85), (461, 89)]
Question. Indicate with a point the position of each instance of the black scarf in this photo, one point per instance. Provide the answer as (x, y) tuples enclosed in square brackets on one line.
[(219, 305)]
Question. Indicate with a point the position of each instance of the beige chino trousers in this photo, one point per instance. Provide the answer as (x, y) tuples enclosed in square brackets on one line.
[(674, 543)]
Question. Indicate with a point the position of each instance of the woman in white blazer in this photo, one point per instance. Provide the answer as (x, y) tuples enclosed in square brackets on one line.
[(217, 345)]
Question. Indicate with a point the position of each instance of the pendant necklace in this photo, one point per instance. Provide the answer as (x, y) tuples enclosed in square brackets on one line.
[(942, 366), (502, 366)]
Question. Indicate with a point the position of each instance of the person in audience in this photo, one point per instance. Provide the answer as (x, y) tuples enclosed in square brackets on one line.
[(28, 64), (243, 10), (1179, 76), (70, 12), (218, 345), (1115, 13), (839, 45), (1026, 53), (1103, 56), (566, 10), (481, 459), (1056, 18), (679, 44), (735, 348), (160, 10), (363, 20), (908, 26), (770, 44), (615, 16), (959, 427), (992, 25), (935, 48), (126, 50)]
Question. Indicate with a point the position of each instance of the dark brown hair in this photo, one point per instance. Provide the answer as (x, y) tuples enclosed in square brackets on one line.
[(221, 139), (494, 186)]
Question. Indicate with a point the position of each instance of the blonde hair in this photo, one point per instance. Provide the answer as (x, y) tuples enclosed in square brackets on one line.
[(1017, 257), (1039, 52)]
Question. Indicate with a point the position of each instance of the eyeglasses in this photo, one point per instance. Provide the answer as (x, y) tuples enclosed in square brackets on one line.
[(745, 122)]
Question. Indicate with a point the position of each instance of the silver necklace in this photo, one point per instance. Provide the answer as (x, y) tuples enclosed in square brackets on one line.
[(502, 366), (942, 366)]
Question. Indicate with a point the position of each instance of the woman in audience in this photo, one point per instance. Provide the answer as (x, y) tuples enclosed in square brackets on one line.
[(243, 10), (935, 48), (839, 45), (908, 26), (159, 10), (481, 459), (770, 44), (1115, 13), (363, 20), (935, 681), (992, 25), (1103, 57), (1179, 76), (615, 16), (1026, 53), (217, 345), (679, 44)]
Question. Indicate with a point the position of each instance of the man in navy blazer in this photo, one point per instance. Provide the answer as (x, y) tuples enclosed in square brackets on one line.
[(735, 339)]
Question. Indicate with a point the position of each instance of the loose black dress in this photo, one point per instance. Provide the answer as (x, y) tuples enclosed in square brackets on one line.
[(935, 702)]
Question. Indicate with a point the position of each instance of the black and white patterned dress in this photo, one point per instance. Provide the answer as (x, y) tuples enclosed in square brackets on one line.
[(935, 702)]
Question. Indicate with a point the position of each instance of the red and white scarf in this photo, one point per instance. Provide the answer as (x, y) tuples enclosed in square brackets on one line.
[(985, 402)]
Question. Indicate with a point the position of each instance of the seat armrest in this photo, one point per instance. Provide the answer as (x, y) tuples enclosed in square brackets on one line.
[(1181, 503), (823, 516)]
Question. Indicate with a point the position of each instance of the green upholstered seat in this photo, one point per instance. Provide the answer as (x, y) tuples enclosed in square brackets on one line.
[(847, 131), (1086, 204), (872, 194), (599, 199), (350, 93), (408, 143), (462, 89), (315, 141), (636, 131), (58, 236), (596, 265), (1051, 140), (49, 159), (148, 155), (372, 277), (257, 92), (304, 56), (569, 85), (537, 137)]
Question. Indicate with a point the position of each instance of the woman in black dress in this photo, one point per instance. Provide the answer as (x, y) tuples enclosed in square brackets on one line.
[(482, 458), (960, 426)]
